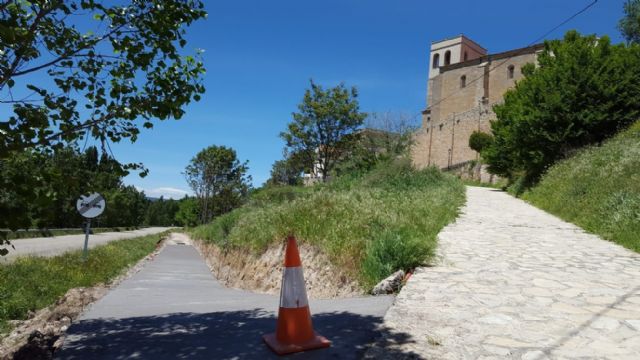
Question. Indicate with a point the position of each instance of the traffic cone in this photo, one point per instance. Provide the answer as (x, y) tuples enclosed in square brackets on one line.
[(294, 331)]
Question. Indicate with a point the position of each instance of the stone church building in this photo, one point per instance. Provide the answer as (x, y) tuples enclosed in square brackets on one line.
[(464, 84)]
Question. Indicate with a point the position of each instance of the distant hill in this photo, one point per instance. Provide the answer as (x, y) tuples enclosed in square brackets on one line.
[(598, 189)]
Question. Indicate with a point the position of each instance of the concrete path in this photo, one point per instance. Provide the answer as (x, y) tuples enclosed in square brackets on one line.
[(517, 283), (51, 246), (174, 309)]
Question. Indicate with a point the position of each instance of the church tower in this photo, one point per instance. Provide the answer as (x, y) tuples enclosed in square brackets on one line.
[(452, 51), (448, 52)]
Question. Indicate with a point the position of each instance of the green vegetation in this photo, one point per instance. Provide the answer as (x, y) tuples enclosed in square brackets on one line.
[(219, 180), (287, 171), (73, 70), (322, 131), (598, 189), (66, 174), (583, 91), (32, 283), (370, 224), (479, 140), (127, 60), (386, 136), (629, 25)]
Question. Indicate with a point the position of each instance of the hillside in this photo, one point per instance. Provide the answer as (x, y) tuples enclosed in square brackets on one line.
[(598, 189), (369, 225)]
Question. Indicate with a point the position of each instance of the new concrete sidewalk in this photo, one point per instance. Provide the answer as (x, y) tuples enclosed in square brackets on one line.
[(174, 309), (56, 245)]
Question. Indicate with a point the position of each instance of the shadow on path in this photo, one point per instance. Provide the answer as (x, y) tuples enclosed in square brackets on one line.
[(217, 335)]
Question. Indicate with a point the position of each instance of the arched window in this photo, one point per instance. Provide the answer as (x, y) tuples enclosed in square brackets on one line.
[(447, 58), (436, 61), (510, 71), (466, 56), (463, 81)]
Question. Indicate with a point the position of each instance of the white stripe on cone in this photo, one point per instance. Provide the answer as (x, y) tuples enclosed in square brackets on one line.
[(293, 293)]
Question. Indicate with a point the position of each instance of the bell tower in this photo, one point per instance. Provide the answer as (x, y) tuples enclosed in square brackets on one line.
[(452, 51)]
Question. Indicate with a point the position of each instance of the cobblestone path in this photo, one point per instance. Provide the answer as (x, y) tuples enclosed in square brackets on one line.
[(514, 282)]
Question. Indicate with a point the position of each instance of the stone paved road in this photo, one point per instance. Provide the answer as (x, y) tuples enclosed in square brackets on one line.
[(56, 245), (515, 282), (175, 309)]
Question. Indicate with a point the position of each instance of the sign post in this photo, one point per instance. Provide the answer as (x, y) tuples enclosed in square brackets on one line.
[(89, 207)]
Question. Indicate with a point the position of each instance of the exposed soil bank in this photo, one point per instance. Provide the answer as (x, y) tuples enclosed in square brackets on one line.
[(241, 269)]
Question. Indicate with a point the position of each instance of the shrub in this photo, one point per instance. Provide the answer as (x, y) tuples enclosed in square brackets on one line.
[(480, 140), (583, 91)]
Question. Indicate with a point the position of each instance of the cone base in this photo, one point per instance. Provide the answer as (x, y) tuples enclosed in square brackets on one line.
[(280, 348)]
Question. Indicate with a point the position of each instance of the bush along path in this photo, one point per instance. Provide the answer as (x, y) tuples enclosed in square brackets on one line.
[(515, 282)]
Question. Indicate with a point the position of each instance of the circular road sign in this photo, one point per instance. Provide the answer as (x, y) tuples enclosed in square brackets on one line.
[(91, 206)]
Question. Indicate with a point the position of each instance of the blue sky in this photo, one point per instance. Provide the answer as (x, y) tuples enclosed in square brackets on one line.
[(260, 56)]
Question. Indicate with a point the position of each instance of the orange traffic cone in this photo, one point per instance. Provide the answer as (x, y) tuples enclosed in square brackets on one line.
[(294, 332)]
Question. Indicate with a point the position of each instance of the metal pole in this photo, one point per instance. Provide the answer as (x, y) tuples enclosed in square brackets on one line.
[(86, 240)]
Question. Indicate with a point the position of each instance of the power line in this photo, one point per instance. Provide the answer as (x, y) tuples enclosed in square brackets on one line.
[(519, 52)]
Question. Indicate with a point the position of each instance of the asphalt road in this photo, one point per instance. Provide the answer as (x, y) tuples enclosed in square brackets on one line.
[(51, 246), (175, 309)]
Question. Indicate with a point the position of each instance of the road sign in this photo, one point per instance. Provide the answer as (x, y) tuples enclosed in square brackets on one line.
[(91, 206)]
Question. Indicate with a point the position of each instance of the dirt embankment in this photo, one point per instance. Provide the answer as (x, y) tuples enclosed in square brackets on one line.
[(241, 269)]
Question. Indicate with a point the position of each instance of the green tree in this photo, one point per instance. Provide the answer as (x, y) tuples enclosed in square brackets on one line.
[(122, 72), (126, 206), (161, 212), (62, 176), (187, 214), (287, 171), (319, 131), (629, 25), (218, 179), (81, 68), (583, 91), (18, 196), (480, 140)]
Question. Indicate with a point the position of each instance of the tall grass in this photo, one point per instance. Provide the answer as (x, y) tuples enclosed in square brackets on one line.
[(598, 189), (371, 224), (32, 283)]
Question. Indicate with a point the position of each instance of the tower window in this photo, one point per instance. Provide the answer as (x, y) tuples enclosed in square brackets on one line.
[(466, 56), (510, 71), (436, 61), (447, 58), (463, 81)]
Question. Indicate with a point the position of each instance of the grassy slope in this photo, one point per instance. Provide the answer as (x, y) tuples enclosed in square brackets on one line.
[(598, 189), (371, 225), (32, 283)]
